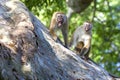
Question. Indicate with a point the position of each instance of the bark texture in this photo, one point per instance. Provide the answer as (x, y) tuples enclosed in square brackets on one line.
[(27, 52)]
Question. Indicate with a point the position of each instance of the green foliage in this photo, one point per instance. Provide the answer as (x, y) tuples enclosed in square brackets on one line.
[(43, 9), (106, 27)]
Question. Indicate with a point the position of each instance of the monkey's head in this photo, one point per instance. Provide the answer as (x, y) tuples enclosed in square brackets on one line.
[(87, 26), (59, 19)]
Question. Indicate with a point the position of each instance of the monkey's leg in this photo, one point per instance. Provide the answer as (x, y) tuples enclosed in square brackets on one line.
[(59, 41), (84, 53)]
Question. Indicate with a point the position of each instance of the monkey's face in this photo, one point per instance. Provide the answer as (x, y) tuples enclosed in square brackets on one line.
[(59, 20), (87, 26)]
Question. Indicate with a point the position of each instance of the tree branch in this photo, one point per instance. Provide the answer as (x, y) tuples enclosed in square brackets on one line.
[(94, 10)]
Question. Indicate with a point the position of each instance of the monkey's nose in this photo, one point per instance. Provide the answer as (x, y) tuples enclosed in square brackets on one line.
[(86, 28)]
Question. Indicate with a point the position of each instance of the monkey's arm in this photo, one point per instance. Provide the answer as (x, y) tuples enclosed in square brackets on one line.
[(52, 30), (74, 40), (52, 33), (65, 34)]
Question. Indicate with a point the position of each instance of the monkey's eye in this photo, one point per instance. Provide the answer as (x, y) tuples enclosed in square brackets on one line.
[(59, 16)]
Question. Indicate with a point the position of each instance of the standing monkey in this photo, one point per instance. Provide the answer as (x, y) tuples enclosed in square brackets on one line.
[(59, 22), (81, 39)]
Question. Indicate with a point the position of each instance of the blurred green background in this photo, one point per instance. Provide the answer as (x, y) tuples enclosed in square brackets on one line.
[(105, 17)]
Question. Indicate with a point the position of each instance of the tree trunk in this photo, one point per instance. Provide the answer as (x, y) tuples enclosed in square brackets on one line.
[(27, 52)]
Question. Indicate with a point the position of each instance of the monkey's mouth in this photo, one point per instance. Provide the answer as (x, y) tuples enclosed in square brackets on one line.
[(60, 23)]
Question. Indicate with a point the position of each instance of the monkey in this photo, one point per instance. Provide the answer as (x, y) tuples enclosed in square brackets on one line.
[(59, 22), (81, 40)]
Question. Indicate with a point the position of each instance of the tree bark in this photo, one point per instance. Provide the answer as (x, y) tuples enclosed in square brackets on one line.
[(27, 51)]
